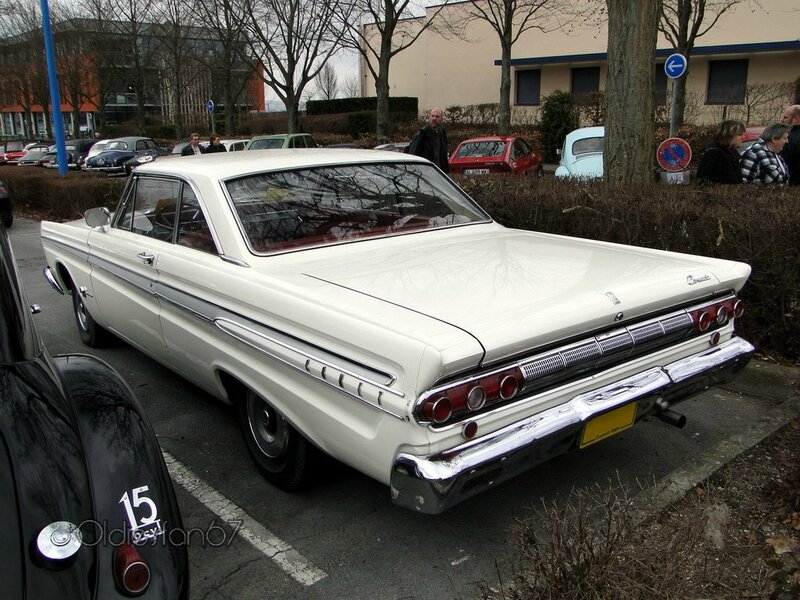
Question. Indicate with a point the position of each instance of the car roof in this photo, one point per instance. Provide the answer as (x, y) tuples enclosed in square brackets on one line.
[(235, 164), (279, 136), (491, 138), (129, 139)]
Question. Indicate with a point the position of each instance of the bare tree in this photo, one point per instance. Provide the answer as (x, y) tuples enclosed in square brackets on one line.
[(632, 33), (134, 48), (177, 50), (391, 29), (292, 39), (682, 22), (510, 20), (230, 60), (74, 72), (326, 84), (27, 83), (351, 87)]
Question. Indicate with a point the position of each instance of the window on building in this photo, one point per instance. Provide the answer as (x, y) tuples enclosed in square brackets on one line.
[(529, 87), (727, 80), (585, 80), (661, 85)]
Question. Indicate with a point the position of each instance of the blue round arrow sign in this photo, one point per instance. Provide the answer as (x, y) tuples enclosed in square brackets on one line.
[(675, 66), (210, 105)]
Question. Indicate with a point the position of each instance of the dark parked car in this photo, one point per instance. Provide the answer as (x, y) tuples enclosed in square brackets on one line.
[(6, 206), (33, 156), (119, 151), (495, 154), (87, 503)]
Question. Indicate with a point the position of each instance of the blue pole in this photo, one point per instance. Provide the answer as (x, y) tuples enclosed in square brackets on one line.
[(55, 97)]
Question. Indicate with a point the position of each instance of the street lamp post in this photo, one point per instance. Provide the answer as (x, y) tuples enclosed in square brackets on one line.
[(55, 97)]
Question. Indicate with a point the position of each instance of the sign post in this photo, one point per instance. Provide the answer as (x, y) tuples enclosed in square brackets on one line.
[(675, 67), (210, 107), (674, 155)]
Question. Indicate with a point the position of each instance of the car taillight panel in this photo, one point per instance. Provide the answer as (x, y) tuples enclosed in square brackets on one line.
[(716, 314), (464, 398)]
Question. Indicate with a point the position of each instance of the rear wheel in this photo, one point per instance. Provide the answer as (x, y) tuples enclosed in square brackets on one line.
[(282, 454), (92, 334)]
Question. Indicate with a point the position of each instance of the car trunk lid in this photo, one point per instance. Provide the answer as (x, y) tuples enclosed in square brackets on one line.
[(515, 290)]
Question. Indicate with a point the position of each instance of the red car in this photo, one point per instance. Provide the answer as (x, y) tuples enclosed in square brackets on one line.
[(495, 154), (750, 137)]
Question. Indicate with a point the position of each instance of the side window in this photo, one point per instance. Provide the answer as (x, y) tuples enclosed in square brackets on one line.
[(310, 142), (293, 142), (150, 209), (193, 230)]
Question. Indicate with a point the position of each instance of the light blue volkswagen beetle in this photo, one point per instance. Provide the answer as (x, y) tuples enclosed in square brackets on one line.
[(582, 154)]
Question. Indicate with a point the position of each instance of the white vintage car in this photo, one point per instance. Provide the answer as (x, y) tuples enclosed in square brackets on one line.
[(581, 156), (358, 303)]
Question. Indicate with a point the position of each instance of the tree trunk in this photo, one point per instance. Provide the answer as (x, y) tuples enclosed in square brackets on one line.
[(504, 112), (630, 120), (382, 100)]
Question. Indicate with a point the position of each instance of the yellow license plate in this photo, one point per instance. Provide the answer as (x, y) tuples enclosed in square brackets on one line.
[(608, 424)]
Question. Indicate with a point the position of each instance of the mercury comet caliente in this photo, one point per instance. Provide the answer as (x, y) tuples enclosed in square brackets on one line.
[(87, 503), (359, 304)]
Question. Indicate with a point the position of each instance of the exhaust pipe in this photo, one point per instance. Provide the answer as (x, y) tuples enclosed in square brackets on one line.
[(670, 416)]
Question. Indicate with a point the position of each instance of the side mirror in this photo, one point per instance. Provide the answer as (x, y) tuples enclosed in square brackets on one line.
[(97, 217)]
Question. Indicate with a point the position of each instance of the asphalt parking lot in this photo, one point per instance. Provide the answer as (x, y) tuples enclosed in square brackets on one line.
[(344, 538)]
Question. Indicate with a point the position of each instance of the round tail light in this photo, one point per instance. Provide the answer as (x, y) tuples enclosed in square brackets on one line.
[(476, 398), (130, 570), (438, 410), (722, 315), (509, 387), (738, 308), (704, 321)]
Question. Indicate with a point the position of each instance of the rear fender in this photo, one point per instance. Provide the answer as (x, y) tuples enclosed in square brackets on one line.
[(131, 488)]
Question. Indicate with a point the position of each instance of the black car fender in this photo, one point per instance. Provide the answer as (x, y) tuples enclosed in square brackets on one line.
[(134, 501)]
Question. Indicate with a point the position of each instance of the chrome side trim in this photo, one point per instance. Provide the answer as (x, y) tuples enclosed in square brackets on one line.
[(78, 252), (356, 386), (51, 279), (433, 483)]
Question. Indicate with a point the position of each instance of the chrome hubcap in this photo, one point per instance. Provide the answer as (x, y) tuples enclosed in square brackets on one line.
[(268, 427)]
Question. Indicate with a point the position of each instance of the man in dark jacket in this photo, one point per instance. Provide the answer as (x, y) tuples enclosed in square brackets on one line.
[(791, 151), (431, 141), (193, 147)]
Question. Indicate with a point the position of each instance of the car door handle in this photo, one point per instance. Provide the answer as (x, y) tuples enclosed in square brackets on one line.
[(146, 257)]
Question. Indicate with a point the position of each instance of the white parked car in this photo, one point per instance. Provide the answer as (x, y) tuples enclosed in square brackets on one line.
[(582, 154), (358, 303)]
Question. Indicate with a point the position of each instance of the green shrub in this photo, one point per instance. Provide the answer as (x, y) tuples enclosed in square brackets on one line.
[(559, 117)]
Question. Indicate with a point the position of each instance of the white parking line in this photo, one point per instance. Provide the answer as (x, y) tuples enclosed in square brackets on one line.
[(251, 530)]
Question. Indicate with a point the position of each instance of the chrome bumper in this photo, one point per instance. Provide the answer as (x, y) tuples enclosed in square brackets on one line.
[(432, 484)]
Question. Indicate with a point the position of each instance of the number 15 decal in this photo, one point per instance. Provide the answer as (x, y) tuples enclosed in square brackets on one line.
[(136, 499)]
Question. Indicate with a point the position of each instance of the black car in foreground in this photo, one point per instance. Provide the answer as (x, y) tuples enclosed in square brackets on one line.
[(6, 205), (87, 503)]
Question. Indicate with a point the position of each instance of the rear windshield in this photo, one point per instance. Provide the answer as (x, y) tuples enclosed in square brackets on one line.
[(290, 209), (117, 145), (266, 144), (587, 145), (14, 146), (481, 149)]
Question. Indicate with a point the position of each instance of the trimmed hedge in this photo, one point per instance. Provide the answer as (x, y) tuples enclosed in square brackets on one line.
[(45, 194), (754, 224), (758, 225), (397, 104)]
